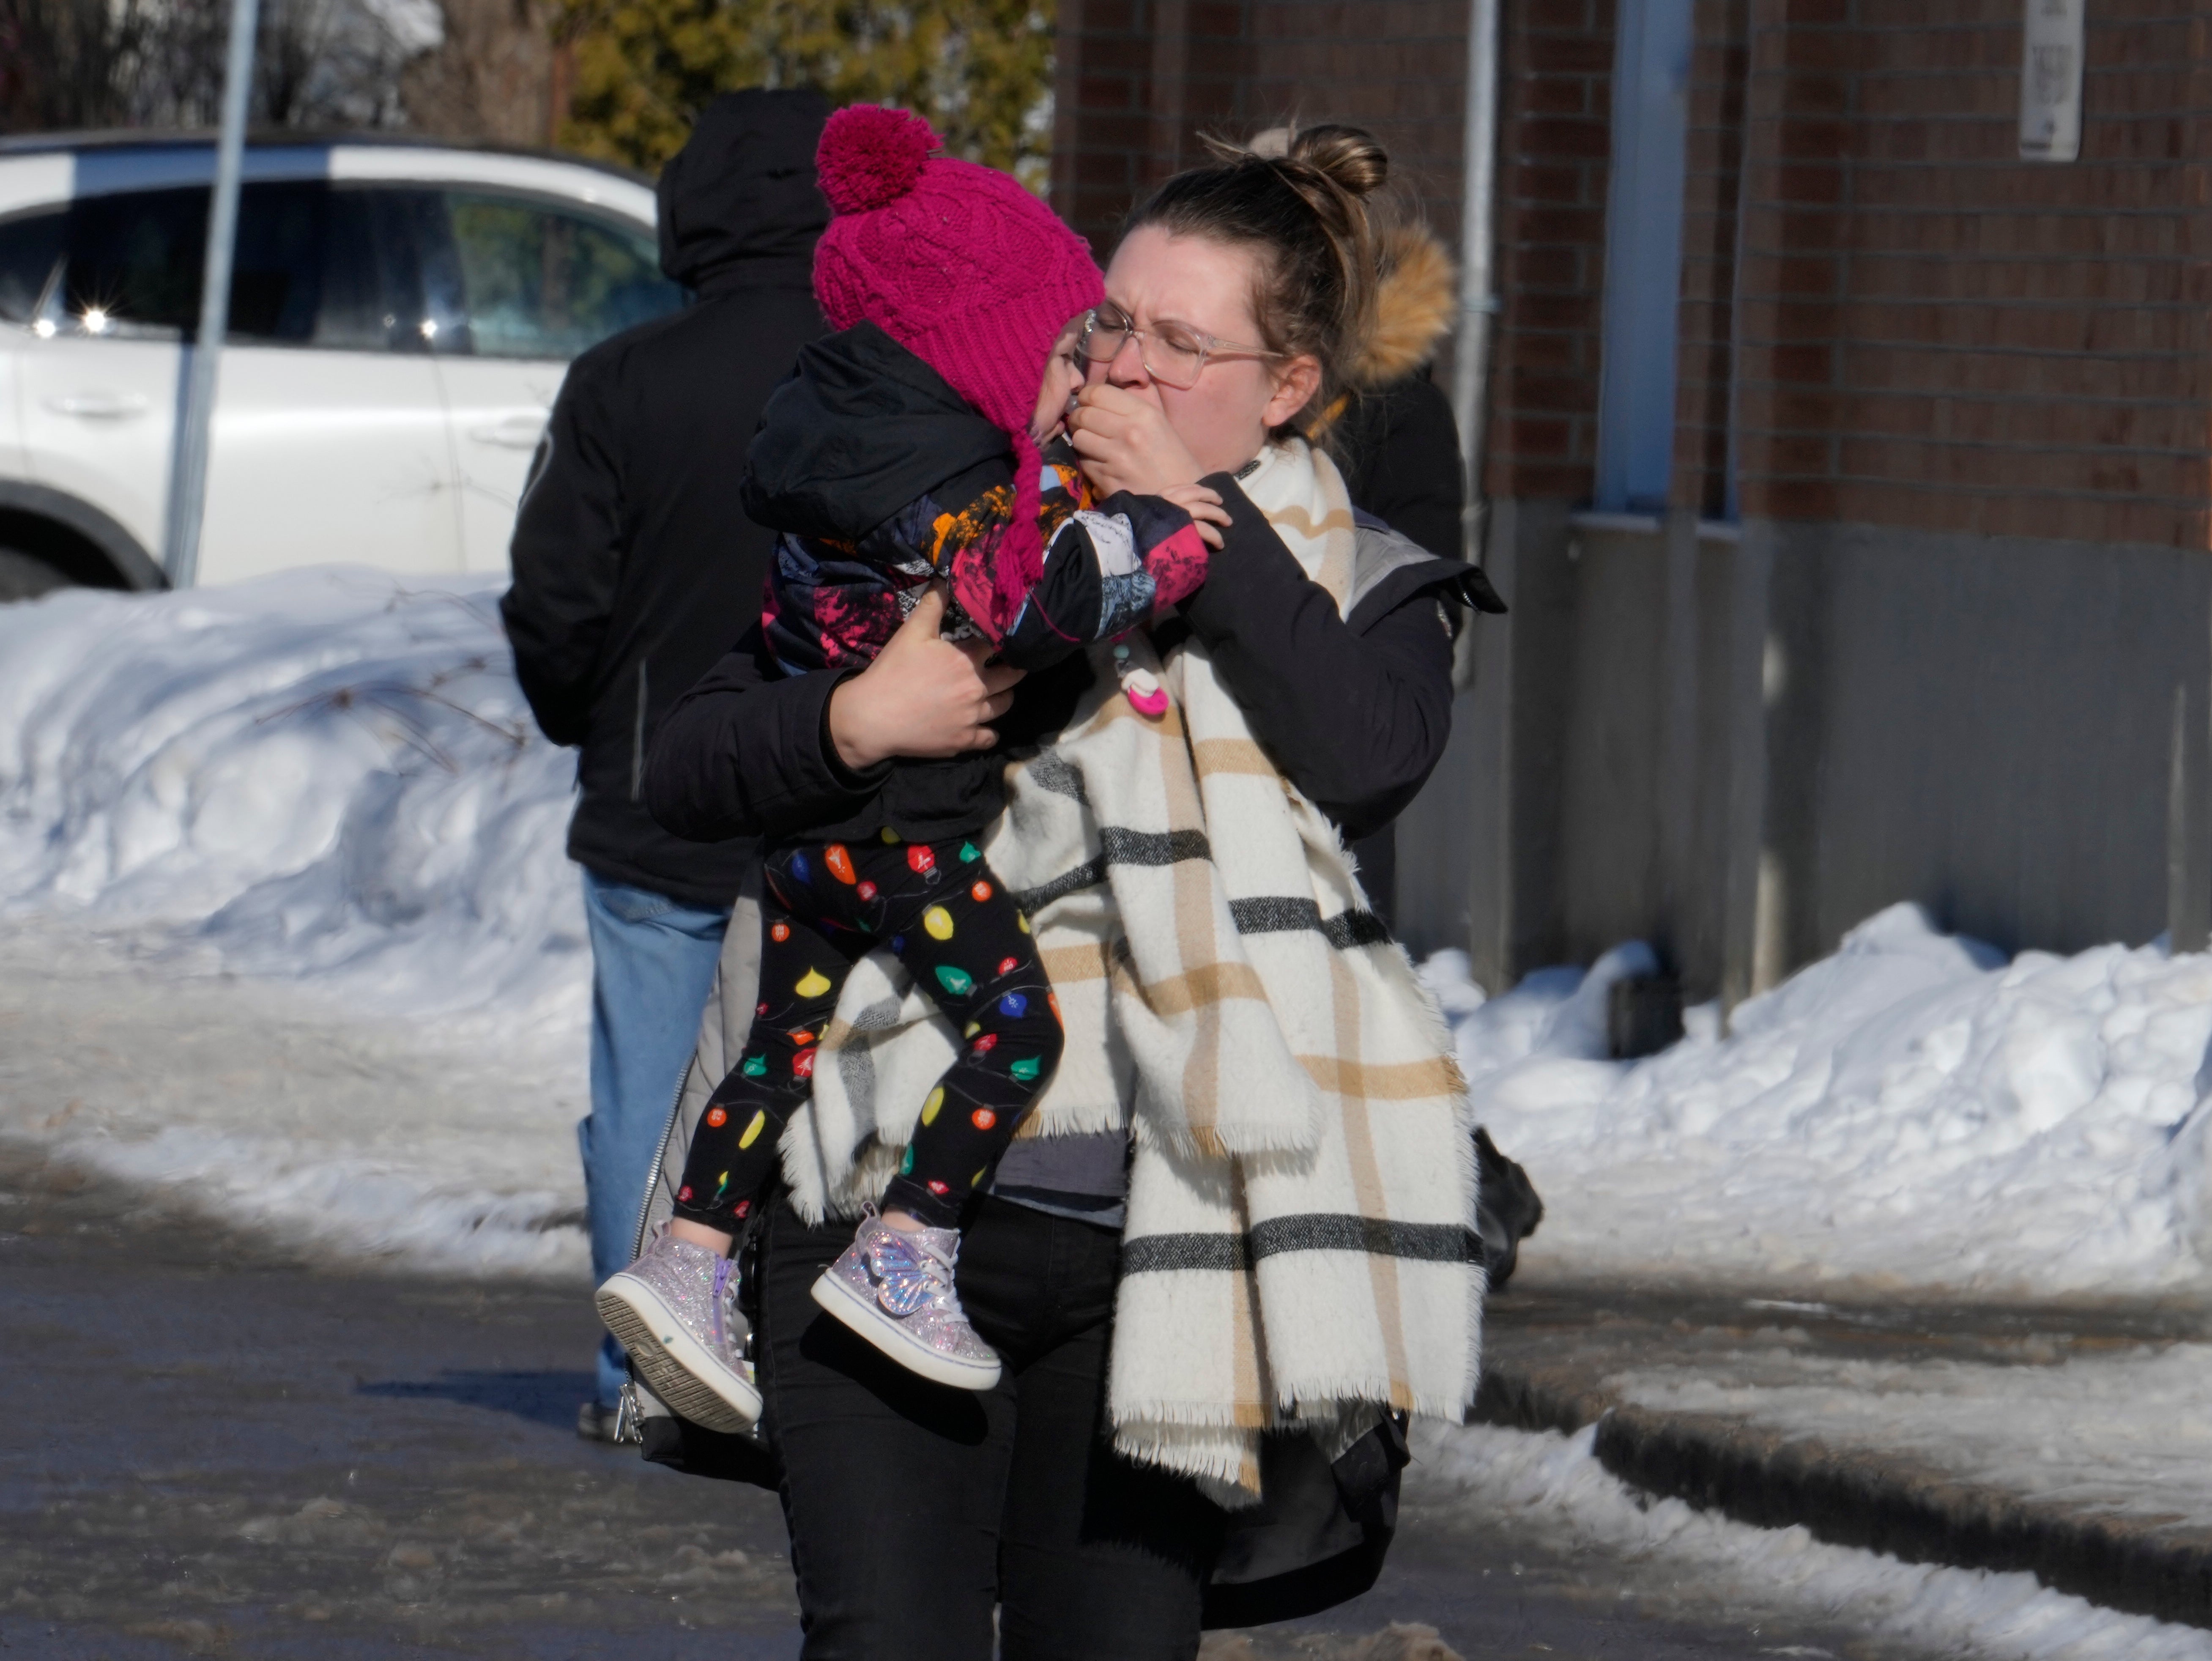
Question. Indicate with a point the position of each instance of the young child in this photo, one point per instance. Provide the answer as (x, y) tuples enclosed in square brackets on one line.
[(885, 464)]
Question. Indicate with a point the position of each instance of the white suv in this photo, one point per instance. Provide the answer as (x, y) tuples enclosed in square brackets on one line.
[(400, 319)]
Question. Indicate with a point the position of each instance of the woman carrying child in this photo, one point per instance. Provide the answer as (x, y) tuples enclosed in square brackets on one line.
[(1249, 1184), (904, 453)]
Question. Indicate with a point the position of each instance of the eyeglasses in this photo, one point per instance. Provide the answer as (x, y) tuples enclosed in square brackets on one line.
[(1172, 353)]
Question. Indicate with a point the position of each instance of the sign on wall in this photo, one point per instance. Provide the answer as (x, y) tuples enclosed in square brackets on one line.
[(2050, 81)]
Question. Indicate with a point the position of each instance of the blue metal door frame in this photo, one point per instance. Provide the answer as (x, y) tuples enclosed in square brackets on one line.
[(1643, 255)]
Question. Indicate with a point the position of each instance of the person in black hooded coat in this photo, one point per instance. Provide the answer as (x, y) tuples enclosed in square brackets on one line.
[(635, 568)]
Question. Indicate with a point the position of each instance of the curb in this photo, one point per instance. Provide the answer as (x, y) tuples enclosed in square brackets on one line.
[(2153, 1567)]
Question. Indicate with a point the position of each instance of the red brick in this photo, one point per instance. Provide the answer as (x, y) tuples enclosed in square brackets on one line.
[(1560, 136), (1789, 498), (1530, 389), (1543, 351), (1922, 328), (1566, 54), (1539, 435), (1116, 55), (1798, 453), (1556, 268), (1585, 226), (1098, 92), (1530, 181)]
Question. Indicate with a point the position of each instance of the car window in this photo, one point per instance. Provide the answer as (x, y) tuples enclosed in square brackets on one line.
[(372, 280), (328, 266), (314, 265), (30, 246), (539, 283), (278, 267), (133, 266)]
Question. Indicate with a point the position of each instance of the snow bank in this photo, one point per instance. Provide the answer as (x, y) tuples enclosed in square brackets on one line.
[(2126, 1432), (1554, 1487), (286, 927), (1913, 1111), (328, 776)]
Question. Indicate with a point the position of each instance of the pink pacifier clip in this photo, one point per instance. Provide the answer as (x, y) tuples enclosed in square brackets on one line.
[(1140, 686)]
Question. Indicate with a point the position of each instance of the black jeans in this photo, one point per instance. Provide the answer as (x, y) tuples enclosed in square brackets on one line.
[(915, 1508)]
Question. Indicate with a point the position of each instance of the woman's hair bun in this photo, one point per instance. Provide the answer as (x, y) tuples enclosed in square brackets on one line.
[(870, 155), (1350, 158)]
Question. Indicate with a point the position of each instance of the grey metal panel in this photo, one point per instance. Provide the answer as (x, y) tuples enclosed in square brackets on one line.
[(1988, 726), (1748, 963), (1610, 877), (1476, 850), (1439, 833), (1994, 723)]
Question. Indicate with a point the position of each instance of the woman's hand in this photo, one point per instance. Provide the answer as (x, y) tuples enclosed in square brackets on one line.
[(923, 696), (1126, 443)]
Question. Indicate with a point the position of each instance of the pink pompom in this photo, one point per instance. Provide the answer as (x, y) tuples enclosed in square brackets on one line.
[(870, 155)]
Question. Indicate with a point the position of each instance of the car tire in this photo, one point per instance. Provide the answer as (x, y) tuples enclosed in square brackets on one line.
[(24, 577)]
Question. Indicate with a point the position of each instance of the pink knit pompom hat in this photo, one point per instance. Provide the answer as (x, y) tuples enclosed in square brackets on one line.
[(964, 268)]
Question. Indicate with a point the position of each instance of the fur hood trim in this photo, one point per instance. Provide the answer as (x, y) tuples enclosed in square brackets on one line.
[(1413, 306)]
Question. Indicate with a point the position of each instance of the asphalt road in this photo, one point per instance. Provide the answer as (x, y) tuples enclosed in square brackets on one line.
[(212, 1447)]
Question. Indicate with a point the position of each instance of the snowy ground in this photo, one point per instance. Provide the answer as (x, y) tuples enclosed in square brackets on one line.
[(325, 784), (1554, 1489), (285, 926), (327, 777), (285, 923), (2128, 1433), (356, 1135), (1913, 1112)]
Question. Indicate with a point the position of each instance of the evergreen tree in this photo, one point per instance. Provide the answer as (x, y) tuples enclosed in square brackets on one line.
[(980, 71)]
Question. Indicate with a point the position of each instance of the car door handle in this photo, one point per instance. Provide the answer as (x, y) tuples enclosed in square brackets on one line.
[(99, 406), (514, 432)]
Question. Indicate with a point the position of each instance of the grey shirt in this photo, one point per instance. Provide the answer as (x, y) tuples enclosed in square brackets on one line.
[(1086, 1177)]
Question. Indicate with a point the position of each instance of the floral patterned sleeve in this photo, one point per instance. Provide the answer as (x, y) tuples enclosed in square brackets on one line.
[(1107, 565)]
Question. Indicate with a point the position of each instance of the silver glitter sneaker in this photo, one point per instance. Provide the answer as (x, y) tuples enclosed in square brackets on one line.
[(895, 1289), (674, 1310)]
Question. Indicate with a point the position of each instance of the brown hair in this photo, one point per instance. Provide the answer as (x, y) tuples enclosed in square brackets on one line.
[(1302, 206)]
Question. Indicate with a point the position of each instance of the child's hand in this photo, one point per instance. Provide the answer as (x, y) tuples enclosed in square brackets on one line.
[(1203, 504)]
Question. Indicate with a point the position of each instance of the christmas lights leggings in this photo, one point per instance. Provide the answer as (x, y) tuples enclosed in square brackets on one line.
[(960, 934)]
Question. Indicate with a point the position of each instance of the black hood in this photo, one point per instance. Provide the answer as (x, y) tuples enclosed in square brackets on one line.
[(862, 429), (739, 204)]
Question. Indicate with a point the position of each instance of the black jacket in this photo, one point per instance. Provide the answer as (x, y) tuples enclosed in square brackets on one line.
[(864, 429), (860, 431), (862, 448), (635, 564), (1399, 447), (1355, 711), (1402, 462)]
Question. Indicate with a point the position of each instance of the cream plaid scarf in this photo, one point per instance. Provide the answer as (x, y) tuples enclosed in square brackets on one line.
[(1298, 1248)]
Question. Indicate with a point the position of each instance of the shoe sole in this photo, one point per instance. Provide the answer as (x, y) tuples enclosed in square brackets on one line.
[(865, 1318), (676, 1367)]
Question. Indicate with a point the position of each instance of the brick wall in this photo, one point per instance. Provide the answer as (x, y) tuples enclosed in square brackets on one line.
[(1936, 334), (1554, 125), (1138, 81), (1134, 80), (1932, 333)]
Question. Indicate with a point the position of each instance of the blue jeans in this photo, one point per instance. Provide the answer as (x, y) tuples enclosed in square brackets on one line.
[(652, 965)]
